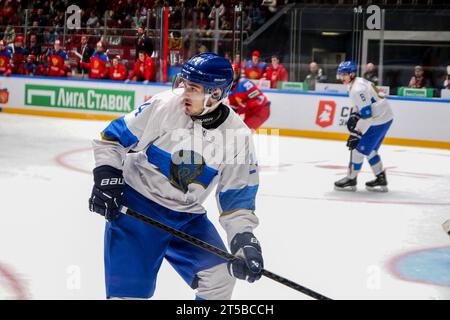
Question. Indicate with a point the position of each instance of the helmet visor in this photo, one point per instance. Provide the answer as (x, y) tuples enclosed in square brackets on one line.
[(188, 89)]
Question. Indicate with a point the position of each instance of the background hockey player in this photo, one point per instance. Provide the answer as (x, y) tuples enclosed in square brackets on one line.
[(255, 68), (168, 175), (368, 124), (57, 58), (5, 59), (19, 52), (247, 99), (99, 63)]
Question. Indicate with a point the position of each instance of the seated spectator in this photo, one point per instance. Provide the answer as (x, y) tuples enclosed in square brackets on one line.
[(50, 35), (98, 63), (225, 24), (255, 69), (117, 71), (92, 21), (247, 21), (144, 68), (5, 59), (18, 55), (34, 47), (315, 76), (418, 80), (447, 79), (57, 61), (9, 35), (209, 32), (276, 72), (371, 73), (218, 8)]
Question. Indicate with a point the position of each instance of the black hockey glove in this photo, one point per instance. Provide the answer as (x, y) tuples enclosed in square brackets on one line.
[(107, 192), (249, 266), (353, 140), (352, 121)]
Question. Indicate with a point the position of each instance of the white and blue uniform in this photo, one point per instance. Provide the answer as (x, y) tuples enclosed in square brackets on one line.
[(170, 164), (376, 119)]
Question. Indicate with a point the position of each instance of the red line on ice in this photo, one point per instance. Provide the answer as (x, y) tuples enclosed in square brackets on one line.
[(14, 282), (61, 160)]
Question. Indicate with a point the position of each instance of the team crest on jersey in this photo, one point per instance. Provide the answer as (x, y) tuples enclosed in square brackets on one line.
[(185, 167)]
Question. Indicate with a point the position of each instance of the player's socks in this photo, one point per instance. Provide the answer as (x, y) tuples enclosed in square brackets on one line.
[(379, 184), (346, 184)]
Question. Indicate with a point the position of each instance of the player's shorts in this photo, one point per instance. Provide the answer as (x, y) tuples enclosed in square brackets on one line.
[(372, 139), (135, 250), (254, 119)]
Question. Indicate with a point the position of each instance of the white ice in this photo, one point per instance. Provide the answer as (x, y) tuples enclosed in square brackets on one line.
[(339, 244)]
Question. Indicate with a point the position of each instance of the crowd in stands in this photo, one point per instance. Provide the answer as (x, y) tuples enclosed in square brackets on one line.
[(41, 50), (45, 48)]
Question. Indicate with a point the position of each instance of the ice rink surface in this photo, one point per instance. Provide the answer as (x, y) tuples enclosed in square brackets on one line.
[(345, 245)]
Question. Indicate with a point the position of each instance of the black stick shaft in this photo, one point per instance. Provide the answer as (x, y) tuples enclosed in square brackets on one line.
[(220, 252)]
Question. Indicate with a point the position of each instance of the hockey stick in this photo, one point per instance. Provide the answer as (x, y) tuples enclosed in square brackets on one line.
[(446, 227), (219, 252)]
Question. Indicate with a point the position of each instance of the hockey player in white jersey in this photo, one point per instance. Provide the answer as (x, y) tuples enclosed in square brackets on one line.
[(368, 124), (163, 160)]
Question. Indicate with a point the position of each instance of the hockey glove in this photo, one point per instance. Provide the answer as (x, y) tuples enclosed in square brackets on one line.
[(250, 263), (353, 140), (352, 121), (107, 192)]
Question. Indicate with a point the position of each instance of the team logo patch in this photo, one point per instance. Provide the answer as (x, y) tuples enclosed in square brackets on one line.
[(325, 113), (185, 167)]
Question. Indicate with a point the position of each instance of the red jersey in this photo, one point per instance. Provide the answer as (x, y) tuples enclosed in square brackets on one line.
[(117, 74), (56, 63), (255, 71), (5, 62), (98, 65), (143, 70), (18, 59), (275, 75), (246, 95)]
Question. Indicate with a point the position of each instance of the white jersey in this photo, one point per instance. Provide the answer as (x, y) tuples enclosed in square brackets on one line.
[(371, 104), (174, 161)]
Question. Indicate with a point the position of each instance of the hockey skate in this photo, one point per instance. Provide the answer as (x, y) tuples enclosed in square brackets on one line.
[(345, 184), (379, 184)]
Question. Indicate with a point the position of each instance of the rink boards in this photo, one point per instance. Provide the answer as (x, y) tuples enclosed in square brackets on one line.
[(418, 121)]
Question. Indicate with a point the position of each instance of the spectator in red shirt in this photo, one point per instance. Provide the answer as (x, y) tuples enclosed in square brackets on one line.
[(117, 71), (276, 72), (144, 68), (255, 69)]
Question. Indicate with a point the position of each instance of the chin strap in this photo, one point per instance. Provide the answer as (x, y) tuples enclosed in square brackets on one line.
[(208, 108)]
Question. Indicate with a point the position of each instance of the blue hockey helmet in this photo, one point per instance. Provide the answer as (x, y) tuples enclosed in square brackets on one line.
[(347, 67), (211, 71)]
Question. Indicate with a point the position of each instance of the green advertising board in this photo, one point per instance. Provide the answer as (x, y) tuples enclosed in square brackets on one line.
[(413, 92), (286, 85), (79, 98)]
